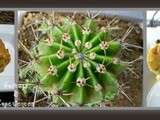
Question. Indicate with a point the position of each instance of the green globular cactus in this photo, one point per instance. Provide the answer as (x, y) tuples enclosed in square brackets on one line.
[(76, 65)]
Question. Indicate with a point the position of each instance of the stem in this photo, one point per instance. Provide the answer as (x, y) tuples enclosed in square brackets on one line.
[(64, 102), (26, 49), (35, 36), (97, 14), (124, 94), (129, 30), (131, 45), (41, 100), (35, 97)]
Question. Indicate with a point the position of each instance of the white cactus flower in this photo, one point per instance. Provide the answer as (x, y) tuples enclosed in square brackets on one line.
[(66, 37), (88, 45), (49, 41), (80, 82), (86, 64), (52, 70), (104, 45), (92, 55), (60, 54), (101, 68), (72, 67), (86, 31), (77, 43)]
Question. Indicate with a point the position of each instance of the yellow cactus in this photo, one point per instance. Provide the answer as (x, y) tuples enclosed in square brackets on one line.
[(153, 58)]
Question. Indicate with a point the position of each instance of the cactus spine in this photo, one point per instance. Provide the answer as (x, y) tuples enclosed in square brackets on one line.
[(75, 64)]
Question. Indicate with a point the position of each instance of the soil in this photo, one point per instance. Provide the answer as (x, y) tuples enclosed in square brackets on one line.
[(132, 84), (6, 17)]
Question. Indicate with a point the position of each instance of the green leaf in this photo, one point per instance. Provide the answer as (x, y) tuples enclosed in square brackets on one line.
[(115, 68), (110, 85), (113, 48), (75, 32), (79, 95), (66, 82), (90, 24), (99, 36)]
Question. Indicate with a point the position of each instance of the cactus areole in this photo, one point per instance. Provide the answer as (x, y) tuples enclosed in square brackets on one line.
[(75, 62)]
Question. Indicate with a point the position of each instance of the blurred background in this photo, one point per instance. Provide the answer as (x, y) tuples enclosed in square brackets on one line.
[(152, 34), (7, 77)]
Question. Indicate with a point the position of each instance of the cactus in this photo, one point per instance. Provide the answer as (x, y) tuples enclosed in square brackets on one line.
[(4, 56), (73, 64), (153, 59)]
